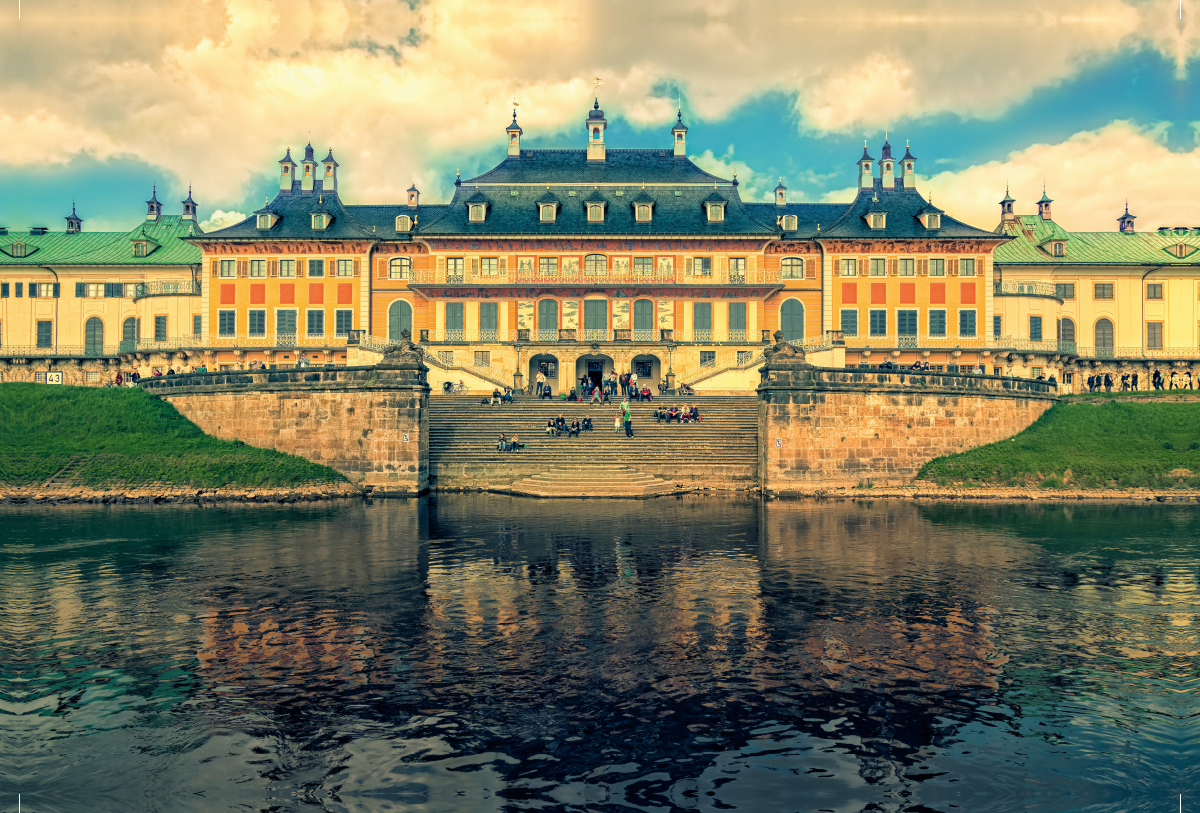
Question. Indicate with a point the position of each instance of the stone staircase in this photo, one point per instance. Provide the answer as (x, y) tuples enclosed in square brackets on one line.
[(597, 481), (719, 452)]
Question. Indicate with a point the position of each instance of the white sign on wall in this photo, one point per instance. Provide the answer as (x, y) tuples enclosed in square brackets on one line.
[(54, 377)]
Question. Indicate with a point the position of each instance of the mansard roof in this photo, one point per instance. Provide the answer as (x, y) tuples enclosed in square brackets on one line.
[(618, 167), (380, 220), (903, 206), (107, 248), (809, 216), (295, 221), (1030, 232)]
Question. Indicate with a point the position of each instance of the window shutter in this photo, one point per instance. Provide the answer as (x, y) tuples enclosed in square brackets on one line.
[(3, 289), (923, 268), (243, 268), (57, 286), (381, 268), (301, 266), (81, 289), (503, 265), (894, 267), (979, 265), (441, 269), (330, 267), (475, 266), (864, 266), (722, 263), (751, 265), (837, 266), (272, 268), (687, 267), (32, 289), (357, 266), (952, 266)]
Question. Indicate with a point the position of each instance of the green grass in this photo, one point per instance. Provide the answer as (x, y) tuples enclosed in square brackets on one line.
[(1120, 444), (129, 437)]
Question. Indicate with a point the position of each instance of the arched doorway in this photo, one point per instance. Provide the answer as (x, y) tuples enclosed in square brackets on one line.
[(548, 366), (791, 320), (595, 366), (643, 320), (1104, 338), (649, 371), (547, 320), (399, 319), (93, 337)]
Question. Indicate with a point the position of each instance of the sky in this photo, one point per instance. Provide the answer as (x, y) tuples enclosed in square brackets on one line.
[(1097, 100)]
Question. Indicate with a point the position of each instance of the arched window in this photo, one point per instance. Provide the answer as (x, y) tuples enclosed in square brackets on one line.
[(403, 223), (643, 212), (547, 320), (93, 337), (595, 265), (129, 330), (400, 268), (1104, 335), (791, 320), (399, 319), (1066, 330), (643, 320), (793, 268)]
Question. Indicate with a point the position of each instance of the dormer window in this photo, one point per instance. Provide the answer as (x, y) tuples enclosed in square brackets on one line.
[(877, 220), (264, 221), (546, 212), (716, 212), (1058, 249), (17, 249), (788, 222), (476, 212), (139, 249), (933, 221), (403, 223), (320, 221), (642, 212), (595, 212)]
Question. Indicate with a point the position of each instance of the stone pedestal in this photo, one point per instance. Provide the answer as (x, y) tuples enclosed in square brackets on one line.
[(518, 382)]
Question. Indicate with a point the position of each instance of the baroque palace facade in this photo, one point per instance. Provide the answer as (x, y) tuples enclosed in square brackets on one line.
[(584, 262)]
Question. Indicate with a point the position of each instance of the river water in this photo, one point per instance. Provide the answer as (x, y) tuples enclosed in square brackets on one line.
[(487, 653)]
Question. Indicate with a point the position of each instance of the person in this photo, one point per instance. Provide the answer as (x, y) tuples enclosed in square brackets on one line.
[(575, 427), (502, 444), (628, 423), (1041, 377), (1124, 382), (541, 383), (587, 423), (507, 397), (617, 421), (646, 394), (560, 424), (1134, 380), (573, 396), (675, 415), (495, 401), (516, 443), (302, 360), (119, 380), (696, 413), (596, 395), (546, 392), (1108, 382), (550, 427), (633, 380), (1053, 380), (157, 373), (170, 371)]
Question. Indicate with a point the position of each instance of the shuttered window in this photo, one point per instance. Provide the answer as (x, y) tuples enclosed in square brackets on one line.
[(45, 333), (256, 322), (316, 322), (160, 328), (227, 323), (343, 322)]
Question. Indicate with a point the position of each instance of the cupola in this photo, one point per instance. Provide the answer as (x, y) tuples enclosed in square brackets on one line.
[(74, 221), (1007, 215), (679, 134), (887, 167), (287, 171), (308, 170), (329, 181), (908, 169), (190, 211), (781, 194), (414, 196), (866, 179), (1044, 205), (596, 125), (514, 136), (153, 207), (1125, 221)]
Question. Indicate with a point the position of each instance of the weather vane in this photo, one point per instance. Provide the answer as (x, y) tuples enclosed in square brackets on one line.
[(597, 82)]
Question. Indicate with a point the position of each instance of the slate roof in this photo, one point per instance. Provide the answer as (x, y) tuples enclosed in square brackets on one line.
[(808, 216), (619, 167), (295, 221), (903, 206), (673, 215), (107, 248), (380, 220), (1093, 248)]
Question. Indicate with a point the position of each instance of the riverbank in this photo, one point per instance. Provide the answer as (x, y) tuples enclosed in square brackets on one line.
[(176, 495), (985, 493)]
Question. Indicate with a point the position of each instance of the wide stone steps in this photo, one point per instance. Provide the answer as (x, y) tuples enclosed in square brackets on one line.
[(593, 481)]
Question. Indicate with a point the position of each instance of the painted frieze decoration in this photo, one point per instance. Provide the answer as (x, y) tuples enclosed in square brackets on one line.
[(400, 248), (615, 292), (586, 246), (911, 246), (290, 247)]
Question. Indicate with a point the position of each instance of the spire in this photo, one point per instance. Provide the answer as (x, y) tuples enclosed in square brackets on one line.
[(514, 133), (866, 178), (287, 172), (679, 131), (1125, 221), (189, 206), (74, 222), (780, 193), (1044, 204), (596, 125), (153, 207)]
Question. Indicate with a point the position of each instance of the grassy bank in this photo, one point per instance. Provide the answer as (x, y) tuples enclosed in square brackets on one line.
[(125, 436), (1118, 444)]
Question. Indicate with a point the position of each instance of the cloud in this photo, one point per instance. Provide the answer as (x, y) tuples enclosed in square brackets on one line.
[(212, 91), (1089, 177), (751, 185), (220, 219)]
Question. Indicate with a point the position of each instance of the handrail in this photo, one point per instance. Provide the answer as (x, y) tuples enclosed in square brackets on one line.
[(1146, 353), (1026, 288), (165, 288), (86, 351)]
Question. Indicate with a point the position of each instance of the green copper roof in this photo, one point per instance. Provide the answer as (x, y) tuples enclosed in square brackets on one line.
[(1030, 232), (1044, 198), (106, 248)]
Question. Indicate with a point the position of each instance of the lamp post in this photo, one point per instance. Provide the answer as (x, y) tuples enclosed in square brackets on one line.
[(518, 379), (670, 368)]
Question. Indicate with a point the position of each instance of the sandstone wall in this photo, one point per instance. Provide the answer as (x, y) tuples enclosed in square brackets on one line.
[(370, 424), (840, 427)]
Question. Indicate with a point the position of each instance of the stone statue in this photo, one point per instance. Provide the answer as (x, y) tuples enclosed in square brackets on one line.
[(403, 353), (783, 352)]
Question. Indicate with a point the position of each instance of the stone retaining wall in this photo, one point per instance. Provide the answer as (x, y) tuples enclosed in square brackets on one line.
[(504, 472), (846, 427)]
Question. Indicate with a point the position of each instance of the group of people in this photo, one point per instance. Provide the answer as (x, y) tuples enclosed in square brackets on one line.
[(131, 379), (559, 426), (508, 444), (1130, 382), (499, 397), (689, 414)]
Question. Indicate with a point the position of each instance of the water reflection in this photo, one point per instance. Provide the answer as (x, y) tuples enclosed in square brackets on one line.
[(478, 653)]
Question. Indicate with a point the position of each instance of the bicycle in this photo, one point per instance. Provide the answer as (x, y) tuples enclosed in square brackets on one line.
[(457, 389)]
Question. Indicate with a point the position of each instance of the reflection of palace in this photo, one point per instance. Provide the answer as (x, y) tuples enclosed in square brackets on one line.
[(587, 261)]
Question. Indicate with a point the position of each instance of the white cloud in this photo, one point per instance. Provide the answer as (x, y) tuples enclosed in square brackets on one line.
[(1089, 177), (751, 185), (213, 90), (220, 219)]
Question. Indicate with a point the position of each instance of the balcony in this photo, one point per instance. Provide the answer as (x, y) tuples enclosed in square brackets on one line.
[(60, 351), (240, 341), (141, 290), (574, 275), (1027, 288), (1140, 353)]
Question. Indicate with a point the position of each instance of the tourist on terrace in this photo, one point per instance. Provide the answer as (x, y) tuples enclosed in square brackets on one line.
[(541, 383), (516, 443), (587, 424), (496, 396), (574, 428), (502, 444), (550, 428)]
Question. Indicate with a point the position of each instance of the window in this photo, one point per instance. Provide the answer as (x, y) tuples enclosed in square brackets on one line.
[(547, 319), (1064, 290), (256, 322), (850, 322), (197, 324), (708, 358), (1103, 290), (789, 222), (937, 323), (716, 212), (46, 288), (93, 289), (643, 266), (483, 358), (316, 322), (1034, 372), (966, 323), (547, 266), (139, 249), (129, 289), (1066, 330), (793, 268), (343, 322), (264, 221), (489, 266), (737, 270), (906, 322), (3, 290), (489, 321), (878, 267), (595, 319), (227, 323), (937, 267), (997, 326), (1154, 335), (403, 223), (285, 322), (17, 249), (702, 322), (446, 357), (643, 212), (966, 267), (878, 322), (319, 221), (228, 268), (791, 320), (91, 377), (1104, 335), (849, 267), (454, 269), (546, 212), (908, 267), (258, 268), (595, 212), (345, 268), (1035, 328), (400, 268), (160, 328), (316, 268), (933, 221), (703, 267), (1154, 290), (595, 265), (878, 221), (737, 322), (39, 377), (1058, 249), (45, 333)]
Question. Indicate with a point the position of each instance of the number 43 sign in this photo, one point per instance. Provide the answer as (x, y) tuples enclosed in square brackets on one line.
[(54, 377)]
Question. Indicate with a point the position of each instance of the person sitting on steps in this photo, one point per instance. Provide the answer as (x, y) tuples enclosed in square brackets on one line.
[(587, 423), (550, 427), (502, 444), (574, 428), (560, 424), (496, 396), (673, 415), (516, 443)]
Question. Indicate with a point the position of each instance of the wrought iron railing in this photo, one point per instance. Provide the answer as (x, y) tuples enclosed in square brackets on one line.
[(645, 334), (165, 288), (1146, 353), (1033, 346), (472, 334), (597, 334), (85, 351), (1025, 288), (544, 334)]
